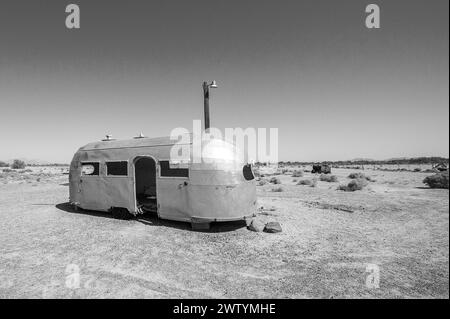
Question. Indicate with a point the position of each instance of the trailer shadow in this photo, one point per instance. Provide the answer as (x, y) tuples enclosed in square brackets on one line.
[(215, 227), (154, 221), (68, 208)]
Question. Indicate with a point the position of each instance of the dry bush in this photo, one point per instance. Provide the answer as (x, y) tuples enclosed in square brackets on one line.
[(308, 182), (7, 170), (417, 170), (277, 189), (18, 164), (3, 164), (297, 173), (439, 180), (354, 185), (45, 175), (356, 175), (328, 178), (359, 176), (275, 180), (262, 182)]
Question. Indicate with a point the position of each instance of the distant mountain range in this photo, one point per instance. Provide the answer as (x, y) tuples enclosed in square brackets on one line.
[(395, 161), (30, 162), (362, 159)]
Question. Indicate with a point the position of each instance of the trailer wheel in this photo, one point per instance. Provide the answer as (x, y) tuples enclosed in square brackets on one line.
[(121, 213)]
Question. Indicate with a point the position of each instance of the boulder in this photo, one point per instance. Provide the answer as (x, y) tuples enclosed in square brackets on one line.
[(273, 227), (256, 225)]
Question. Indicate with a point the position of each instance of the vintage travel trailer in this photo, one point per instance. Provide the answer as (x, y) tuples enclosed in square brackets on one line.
[(130, 177)]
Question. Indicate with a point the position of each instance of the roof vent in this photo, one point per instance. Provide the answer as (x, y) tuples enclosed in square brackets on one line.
[(108, 138), (140, 136)]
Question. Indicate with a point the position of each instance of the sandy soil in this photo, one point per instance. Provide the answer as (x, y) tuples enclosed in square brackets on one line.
[(329, 238)]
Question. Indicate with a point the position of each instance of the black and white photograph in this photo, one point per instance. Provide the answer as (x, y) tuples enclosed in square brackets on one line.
[(225, 155)]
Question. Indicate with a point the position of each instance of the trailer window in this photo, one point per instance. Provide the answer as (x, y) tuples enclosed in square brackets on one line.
[(117, 168), (167, 171), (90, 169), (247, 171)]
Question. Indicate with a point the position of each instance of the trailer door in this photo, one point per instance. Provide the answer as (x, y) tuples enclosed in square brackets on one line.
[(90, 186)]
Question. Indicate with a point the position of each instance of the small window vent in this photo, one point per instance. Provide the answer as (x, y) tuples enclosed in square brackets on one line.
[(108, 138), (140, 136)]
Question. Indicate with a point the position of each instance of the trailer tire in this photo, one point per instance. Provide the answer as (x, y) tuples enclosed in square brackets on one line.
[(121, 213)]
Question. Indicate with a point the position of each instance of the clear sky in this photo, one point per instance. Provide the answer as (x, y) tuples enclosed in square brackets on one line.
[(334, 89)]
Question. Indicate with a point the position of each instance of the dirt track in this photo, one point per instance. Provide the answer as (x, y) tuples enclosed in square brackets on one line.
[(322, 252)]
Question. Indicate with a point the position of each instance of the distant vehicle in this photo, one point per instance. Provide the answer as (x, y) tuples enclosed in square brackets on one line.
[(130, 177), (321, 169), (442, 167)]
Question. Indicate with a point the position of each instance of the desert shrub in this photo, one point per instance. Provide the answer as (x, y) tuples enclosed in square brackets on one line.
[(308, 182), (439, 180), (275, 180), (277, 189), (431, 170), (18, 164), (328, 178), (359, 176), (262, 182), (294, 180), (356, 175), (7, 170), (417, 170), (26, 171), (297, 173), (354, 185), (3, 164)]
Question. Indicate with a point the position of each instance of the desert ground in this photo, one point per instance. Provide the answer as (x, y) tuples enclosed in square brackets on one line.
[(330, 242)]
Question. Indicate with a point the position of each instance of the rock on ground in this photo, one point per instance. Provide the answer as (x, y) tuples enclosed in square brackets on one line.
[(256, 225), (273, 227)]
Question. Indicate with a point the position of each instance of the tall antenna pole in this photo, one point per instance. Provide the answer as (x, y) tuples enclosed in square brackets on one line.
[(206, 104)]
